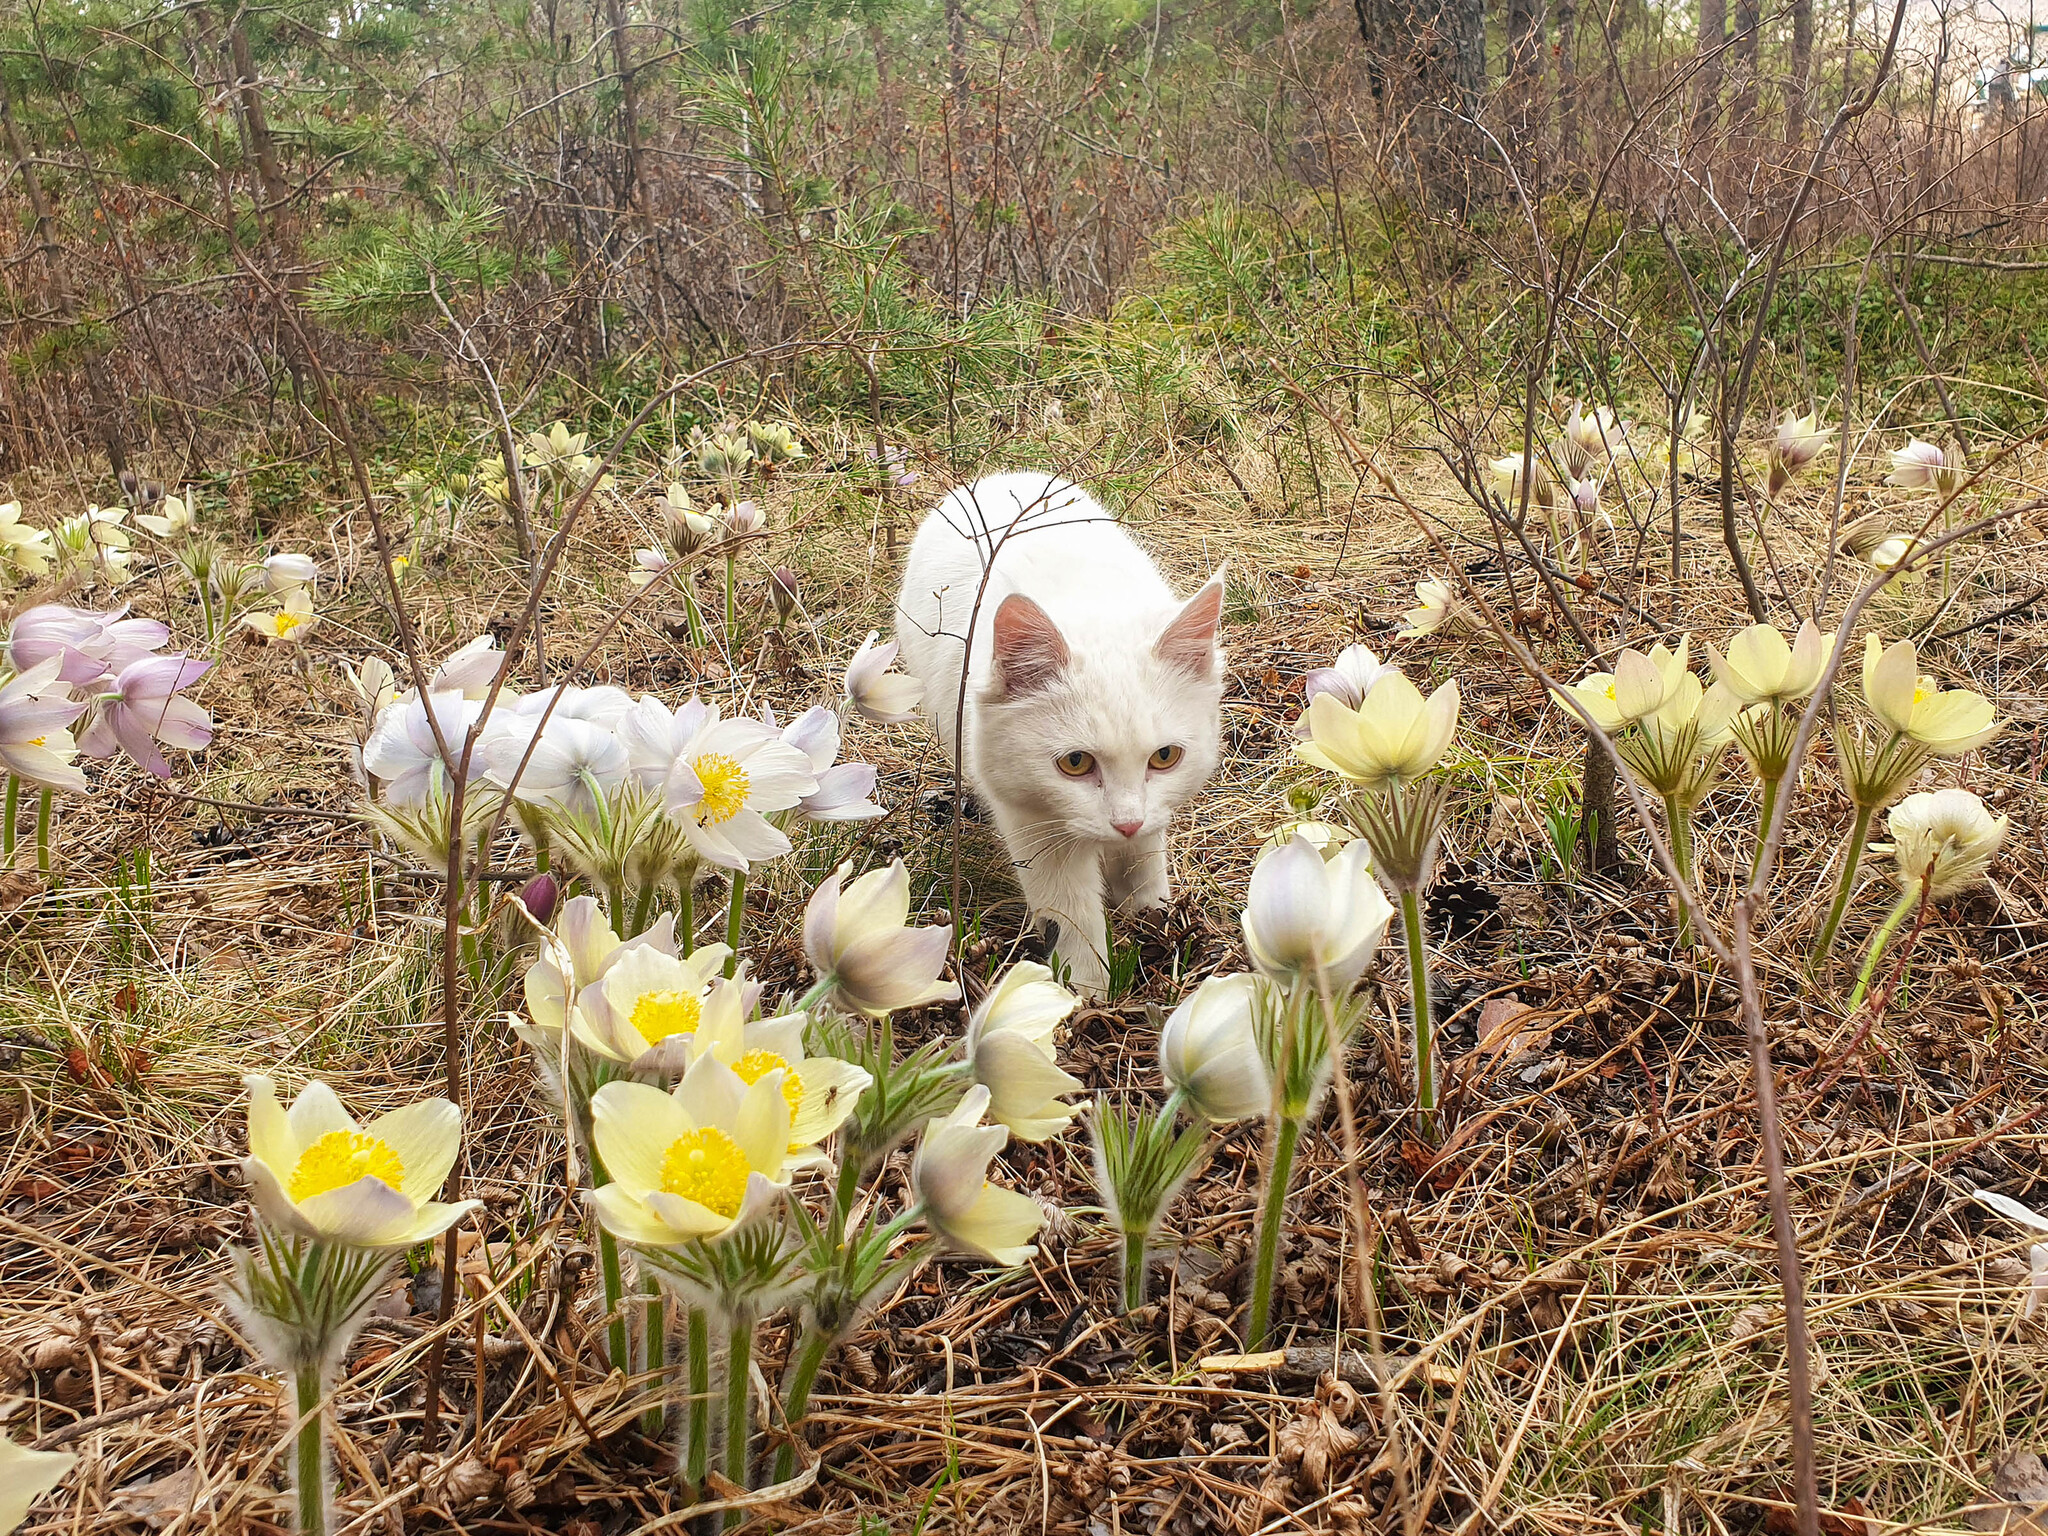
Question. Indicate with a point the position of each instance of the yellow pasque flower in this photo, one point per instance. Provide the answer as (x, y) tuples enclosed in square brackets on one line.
[(1394, 736), (649, 1001), (29, 549), (1944, 839), (315, 1173), (25, 1476), (1010, 1052), (1760, 668), (820, 1090), (290, 624), (950, 1177), (693, 1164), (1637, 688), (1435, 606), (1948, 724)]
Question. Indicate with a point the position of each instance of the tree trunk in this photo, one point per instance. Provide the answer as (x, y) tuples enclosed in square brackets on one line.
[(1567, 87), (1525, 73), (1801, 81), (98, 388), (1434, 55), (260, 141), (629, 103), (1713, 38), (1748, 26), (956, 48)]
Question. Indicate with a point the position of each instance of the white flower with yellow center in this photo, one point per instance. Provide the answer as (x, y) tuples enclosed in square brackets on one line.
[(175, 516), (1637, 688), (693, 1164), (579, 953), (1010, 1052), (821, 1090), (315, 1173), (27, 549), (950, 1177), (647, 1002), (289, 624), (725, 785), (1947, 723)]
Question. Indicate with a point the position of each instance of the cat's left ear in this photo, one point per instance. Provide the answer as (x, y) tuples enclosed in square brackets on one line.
[(1189, 642)]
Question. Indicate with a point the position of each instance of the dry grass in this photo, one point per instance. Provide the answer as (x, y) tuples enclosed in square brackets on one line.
[(1579, 1282)]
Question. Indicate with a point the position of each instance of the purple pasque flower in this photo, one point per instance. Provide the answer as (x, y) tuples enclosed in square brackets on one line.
[(844, 789), (145, 708), (91, 645)]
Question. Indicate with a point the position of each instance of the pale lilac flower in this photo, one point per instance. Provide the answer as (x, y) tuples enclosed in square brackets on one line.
[(1915, 466), (145, 708), (885, 697), (90, 645), (844, 789), (652, 565)]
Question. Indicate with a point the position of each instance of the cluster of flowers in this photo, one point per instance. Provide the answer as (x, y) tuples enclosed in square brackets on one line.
[(702, 1127), (72, 663)]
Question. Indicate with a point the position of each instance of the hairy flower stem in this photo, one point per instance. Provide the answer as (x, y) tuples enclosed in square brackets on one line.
[(1134, 1271), (735, 919), (309, 1465), (1272, 1216), (657, 1357), (1901, 910), (843, 1198), (1679, 821), (614, 1292), (699, 1458), (43, 802), (738, 1362), (796, 1397), (686, 916), (1763, 821), (1852, 861), (728, 599), (1419, 1020), (13, 807), (690, 613)]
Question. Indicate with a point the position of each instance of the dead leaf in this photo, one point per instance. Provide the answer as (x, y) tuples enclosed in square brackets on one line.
[(161, 1500), (2018, 1502), (1503, 1034), (1314, 1442)]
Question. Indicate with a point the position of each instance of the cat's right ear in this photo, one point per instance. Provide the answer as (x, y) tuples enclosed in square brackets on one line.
[(1029, 650)]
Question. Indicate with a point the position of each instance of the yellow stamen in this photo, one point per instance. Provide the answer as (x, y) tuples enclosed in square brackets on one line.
[(38, 741), (339, 1159), (287, 622), (725, 787), (707, 1166), (757, 1064), (657, 1015)]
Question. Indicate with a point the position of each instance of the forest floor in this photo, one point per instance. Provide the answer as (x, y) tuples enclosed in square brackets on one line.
[(1576, 1287)]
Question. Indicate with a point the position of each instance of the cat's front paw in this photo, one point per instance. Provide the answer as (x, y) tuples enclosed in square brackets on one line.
[(1076, 960), (1151, 896)]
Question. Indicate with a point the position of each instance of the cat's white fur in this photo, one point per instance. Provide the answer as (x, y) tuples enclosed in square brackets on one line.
[(1079, 645)]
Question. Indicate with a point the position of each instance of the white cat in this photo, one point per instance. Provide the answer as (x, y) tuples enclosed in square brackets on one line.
[(1093, 698)]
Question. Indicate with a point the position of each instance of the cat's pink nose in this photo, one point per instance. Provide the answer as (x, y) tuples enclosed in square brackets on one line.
[(1129, 828)]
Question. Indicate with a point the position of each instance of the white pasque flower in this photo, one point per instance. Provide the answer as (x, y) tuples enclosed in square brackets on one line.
[(1209, 1049), (25, 1476), (648, 1000), (1944, 840), (693, 1164), (1636, 689), (27, 549), (845, 790), (855, 937), (1947, 722), (36, 711), (175, 517), (315, 1173), (950, 1177), (1436, 606), (733, 775), (656, 737), (1318, 922), (567, 761), (470, 670), (577, 954), (1394, 736), (402, 754), (290, 623), (1761, 668), (284, 574), (883, 696), (1009, 1052), (1921, 466), (1350, 679)]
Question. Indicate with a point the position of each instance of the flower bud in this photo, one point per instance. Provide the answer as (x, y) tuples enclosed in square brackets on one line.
[(782, 591), (540, 896)]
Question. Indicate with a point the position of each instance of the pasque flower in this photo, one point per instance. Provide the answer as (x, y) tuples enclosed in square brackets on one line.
[(731, 777), (89, 646), (36, 711), (656, 737), (1943, 840), (1209, 1049), (315, 1173), (572, 763), (144, 708), (1637, 688), (581, 954), (950, 1176), (1350, 679), (174, 517), (1315, 921), (1947, 723), (856, 939), (28, 550), (821, 1090), (1436, 605), (1761, 668), (646, 999), (1591, 435), (401, 751), (1393, 737), (883, 696), (1009, 1052), (290, 623), (693, 1164), (845, 790), (284, 573), (1921, 466), (25, 1476), (1800, 440)]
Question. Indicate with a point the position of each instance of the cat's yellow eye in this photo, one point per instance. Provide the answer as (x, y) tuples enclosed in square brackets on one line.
[(1076, 765), (1166, 757)]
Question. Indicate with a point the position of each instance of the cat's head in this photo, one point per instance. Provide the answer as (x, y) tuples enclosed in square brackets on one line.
[(1103, 734)]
